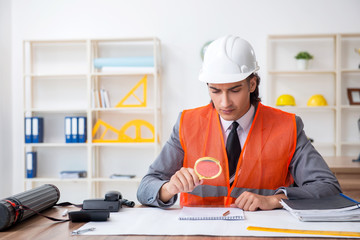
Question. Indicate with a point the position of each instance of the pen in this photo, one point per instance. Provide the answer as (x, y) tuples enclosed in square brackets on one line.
[(226, 213), (64, 213), (77, 232)]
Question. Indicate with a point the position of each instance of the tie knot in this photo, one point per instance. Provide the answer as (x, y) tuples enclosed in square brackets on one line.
[(235, 124)]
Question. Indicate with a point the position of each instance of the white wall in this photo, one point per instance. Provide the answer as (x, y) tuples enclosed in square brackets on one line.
[(5, 100), (182, 26)]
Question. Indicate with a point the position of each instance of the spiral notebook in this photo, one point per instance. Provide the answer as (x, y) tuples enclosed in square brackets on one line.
[(211, 213)]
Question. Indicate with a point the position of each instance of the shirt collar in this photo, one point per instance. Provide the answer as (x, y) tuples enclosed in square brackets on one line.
[(244, 122)]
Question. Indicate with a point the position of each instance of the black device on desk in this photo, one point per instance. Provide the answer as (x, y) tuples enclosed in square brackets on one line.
[(110, 203), (113, 202), (99, 209)]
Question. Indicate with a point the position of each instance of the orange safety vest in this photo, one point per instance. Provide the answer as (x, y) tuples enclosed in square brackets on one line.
[(263, 163)]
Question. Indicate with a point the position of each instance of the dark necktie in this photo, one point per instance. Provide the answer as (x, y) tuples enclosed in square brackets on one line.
[(233, 148)]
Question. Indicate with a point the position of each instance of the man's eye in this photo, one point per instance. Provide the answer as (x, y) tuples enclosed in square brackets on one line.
[(215, 91), (236, 90)]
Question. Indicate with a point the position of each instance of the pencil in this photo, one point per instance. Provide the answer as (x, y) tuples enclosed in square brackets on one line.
[(226, 213)]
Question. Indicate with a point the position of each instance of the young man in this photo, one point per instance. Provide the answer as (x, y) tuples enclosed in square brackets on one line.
[(269, 158)]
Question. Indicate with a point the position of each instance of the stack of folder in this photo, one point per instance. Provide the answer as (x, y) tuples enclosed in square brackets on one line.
[(334, 208), (75, 129), (34, 130)]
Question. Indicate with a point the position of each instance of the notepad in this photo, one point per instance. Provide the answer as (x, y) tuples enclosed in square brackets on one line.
[(211, 213)]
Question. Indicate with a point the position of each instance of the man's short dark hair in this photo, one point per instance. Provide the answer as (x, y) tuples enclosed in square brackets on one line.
[(254, 96)]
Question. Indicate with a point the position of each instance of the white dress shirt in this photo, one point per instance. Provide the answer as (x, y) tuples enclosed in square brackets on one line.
[(243, 129), (244, 126)]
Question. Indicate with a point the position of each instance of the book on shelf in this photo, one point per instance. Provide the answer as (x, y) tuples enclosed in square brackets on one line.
[(334, 208), (106, 98), (100, 99)]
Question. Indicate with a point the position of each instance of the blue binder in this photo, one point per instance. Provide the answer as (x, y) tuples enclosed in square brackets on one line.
[(28, 130), (67, 129), (74, 130), (37, 130), (31, 164), (82, 129)]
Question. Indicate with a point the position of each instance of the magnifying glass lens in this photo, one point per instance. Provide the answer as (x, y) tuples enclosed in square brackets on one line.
[(207, 168)]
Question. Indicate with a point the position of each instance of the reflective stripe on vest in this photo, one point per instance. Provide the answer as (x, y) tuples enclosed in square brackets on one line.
[(263, 163), (220, 191)]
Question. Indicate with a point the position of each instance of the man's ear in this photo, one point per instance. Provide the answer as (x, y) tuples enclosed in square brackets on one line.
[(252, 84)]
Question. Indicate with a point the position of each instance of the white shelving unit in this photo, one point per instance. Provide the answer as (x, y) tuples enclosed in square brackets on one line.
[(59, 80), (335, 68)]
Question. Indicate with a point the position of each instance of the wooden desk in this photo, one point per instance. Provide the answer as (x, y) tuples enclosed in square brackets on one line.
[(348, 174), (40, 228)]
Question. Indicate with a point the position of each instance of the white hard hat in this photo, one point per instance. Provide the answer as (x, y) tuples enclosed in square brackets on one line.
[(228, 59)]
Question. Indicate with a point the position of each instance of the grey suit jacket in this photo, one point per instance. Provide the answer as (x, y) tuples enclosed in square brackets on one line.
[(312, 176)]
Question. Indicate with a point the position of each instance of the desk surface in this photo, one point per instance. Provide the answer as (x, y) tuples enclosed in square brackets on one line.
[(40, 228), (343, 164)]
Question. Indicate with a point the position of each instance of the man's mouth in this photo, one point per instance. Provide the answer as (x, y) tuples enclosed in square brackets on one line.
[(227, 111)]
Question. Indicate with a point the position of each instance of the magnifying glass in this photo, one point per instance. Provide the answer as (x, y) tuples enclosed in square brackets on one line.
[(207, 168)]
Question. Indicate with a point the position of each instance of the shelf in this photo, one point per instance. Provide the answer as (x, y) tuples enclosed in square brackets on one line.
[(125, 110), (332, 71), (60, 79), (55, 145), (351, 70), (126, 71), (312, 71), (72, 180), (351, 107), (124, 180), (60, 76), (45, 180), (64, 110), (354, 144), (308, 109), (125, 145)]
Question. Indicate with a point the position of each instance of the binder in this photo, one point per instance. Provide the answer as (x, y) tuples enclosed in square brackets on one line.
[(82, 129), (74, 130), (68, 137), (31, 164), (28, 130), (37, 130)]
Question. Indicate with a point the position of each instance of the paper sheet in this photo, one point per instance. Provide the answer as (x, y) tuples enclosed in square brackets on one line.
[(156, 221)]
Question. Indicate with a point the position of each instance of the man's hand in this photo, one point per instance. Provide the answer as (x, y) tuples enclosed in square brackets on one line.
[(184, 180), (251, 202)]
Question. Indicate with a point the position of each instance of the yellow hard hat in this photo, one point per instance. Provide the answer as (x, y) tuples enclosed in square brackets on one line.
[(285, 100), (317, 100)]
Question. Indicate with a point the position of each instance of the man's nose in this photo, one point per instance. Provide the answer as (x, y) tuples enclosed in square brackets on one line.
[(225, 100)]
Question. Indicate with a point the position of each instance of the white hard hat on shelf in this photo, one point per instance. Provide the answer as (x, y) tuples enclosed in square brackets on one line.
[(228, 59)]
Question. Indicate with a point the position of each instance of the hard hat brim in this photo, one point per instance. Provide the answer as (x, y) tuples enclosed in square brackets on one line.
[(224, 78)]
